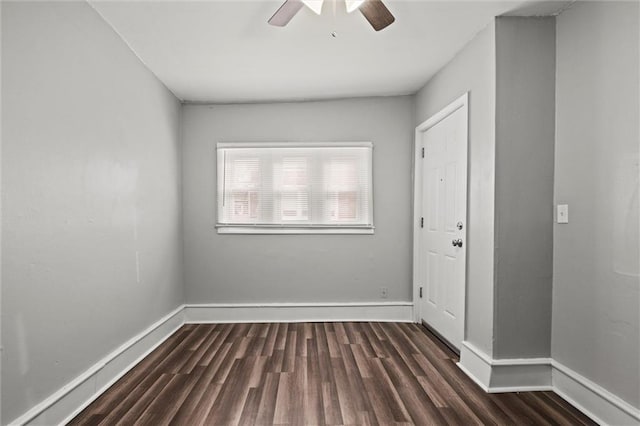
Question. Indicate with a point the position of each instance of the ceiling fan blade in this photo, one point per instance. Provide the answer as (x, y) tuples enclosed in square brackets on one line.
[(377, 14), (284, 14)]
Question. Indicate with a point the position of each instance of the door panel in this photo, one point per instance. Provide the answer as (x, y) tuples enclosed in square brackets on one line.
[(433, 210), (449, 276), (450, 185), (432, 274)]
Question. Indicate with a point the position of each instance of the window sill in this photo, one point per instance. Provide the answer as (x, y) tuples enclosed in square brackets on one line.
[(266, 230)]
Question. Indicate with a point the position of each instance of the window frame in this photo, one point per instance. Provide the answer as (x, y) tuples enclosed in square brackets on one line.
[(294, 228)]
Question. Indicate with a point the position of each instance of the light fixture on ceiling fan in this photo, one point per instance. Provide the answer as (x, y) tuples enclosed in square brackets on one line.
[(373, 10)]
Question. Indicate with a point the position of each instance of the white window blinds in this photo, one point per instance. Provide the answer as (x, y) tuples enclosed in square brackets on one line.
[(294, 186)]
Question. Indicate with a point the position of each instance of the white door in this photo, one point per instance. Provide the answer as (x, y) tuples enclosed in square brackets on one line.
[(442, 252)]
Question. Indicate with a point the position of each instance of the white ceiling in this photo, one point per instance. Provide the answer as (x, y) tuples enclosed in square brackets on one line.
[(224, 51)]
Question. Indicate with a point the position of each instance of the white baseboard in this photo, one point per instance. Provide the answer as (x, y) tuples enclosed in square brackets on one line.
[(68, 401), (476, 364), (544, 374), (299, 312), (505, 375), (592, 399)]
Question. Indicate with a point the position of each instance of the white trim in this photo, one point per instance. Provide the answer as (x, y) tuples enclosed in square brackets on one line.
[(417, 213), (521, 361), (592, 399), (298, 230), (511, 389), (546, 374), (240, 145), (455, 105), (460, 102), (521, 375), (505, 375), (299, 312), (296, 304), (69, 400), (476, 364)]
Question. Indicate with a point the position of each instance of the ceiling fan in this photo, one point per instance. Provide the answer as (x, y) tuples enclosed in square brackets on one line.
[(373, 10)]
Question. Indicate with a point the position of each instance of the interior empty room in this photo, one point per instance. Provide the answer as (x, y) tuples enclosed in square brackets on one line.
[(320, 212)]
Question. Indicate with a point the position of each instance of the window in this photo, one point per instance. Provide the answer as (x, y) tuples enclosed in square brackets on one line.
[(295, 188)]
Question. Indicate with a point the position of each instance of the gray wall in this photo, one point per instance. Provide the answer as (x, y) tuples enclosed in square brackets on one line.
[(91, 246), (596, 272), (473, 70), (525, 128), (294, 268)]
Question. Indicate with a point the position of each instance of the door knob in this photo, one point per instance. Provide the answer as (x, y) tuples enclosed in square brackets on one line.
[(457, 243)]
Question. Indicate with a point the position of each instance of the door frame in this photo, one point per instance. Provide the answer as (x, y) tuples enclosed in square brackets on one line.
[(460, 102)]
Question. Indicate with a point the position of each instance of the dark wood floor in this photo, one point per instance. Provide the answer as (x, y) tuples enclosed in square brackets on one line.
[(312, 374)]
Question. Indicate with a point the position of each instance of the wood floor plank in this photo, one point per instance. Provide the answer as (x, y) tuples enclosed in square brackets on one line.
[(283, 400), (512, 412), (199, 351), (301, 340), (199, 414), (332, 413), (255, 345), (289, 361), (168, 402), (203, 385), (297, 400), (202, 332), (332, 340), (556, 403), (218, 341), (281, 337), (250, 409), (441, 392), (372, 339), (380, 408), (357, 389), (364, 343), (314, 405), (267, 349), (312, 374), (550, 416), (347, 405), (385, 388), (341, 333), (473, 397), (130, 415), (227, 409), (434, 346), (397, 349), (527, 414), (410, 391), (237, 345), (266, 408)]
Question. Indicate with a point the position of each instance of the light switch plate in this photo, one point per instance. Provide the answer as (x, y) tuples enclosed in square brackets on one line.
[(563, 213)]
